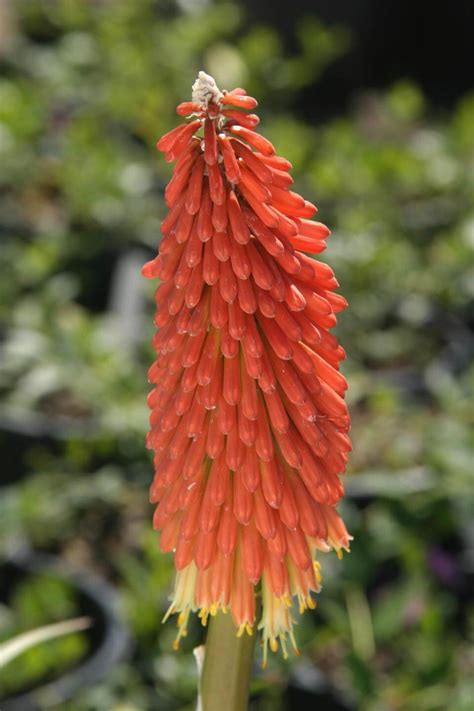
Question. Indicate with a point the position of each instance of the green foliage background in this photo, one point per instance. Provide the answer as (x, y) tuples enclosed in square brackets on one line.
[(86, 88)]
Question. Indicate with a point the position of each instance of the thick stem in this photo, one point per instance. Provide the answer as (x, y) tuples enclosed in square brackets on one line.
[(227, 666)]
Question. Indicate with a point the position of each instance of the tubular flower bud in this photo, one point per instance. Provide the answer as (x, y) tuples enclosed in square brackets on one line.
[(248, 422)]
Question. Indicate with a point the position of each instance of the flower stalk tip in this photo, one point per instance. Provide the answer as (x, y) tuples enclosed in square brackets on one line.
[(248, 423), (205, 90)]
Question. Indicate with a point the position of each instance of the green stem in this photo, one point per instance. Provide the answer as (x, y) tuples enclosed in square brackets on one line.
[(227, 667)]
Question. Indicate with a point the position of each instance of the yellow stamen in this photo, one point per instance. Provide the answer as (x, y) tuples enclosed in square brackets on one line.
[(203, 615), (293, 642)]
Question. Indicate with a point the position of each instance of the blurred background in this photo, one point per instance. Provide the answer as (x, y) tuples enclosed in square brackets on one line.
[(371, 102)]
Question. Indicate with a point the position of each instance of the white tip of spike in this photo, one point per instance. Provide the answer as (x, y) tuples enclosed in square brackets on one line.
[(205, 90)]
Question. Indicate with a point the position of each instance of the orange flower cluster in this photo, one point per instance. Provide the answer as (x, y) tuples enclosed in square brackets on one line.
[(248, 419)]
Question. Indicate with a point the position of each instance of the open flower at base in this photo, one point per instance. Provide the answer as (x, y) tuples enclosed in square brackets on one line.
[(249, 426)]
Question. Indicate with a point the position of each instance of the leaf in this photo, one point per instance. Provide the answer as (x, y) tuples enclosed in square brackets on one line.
[(21, 643)]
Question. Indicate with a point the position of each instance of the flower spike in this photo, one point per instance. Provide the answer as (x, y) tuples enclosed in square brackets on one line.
[(248, 420)]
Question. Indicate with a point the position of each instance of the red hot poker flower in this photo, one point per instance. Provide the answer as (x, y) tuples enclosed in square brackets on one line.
[(248, 421)]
